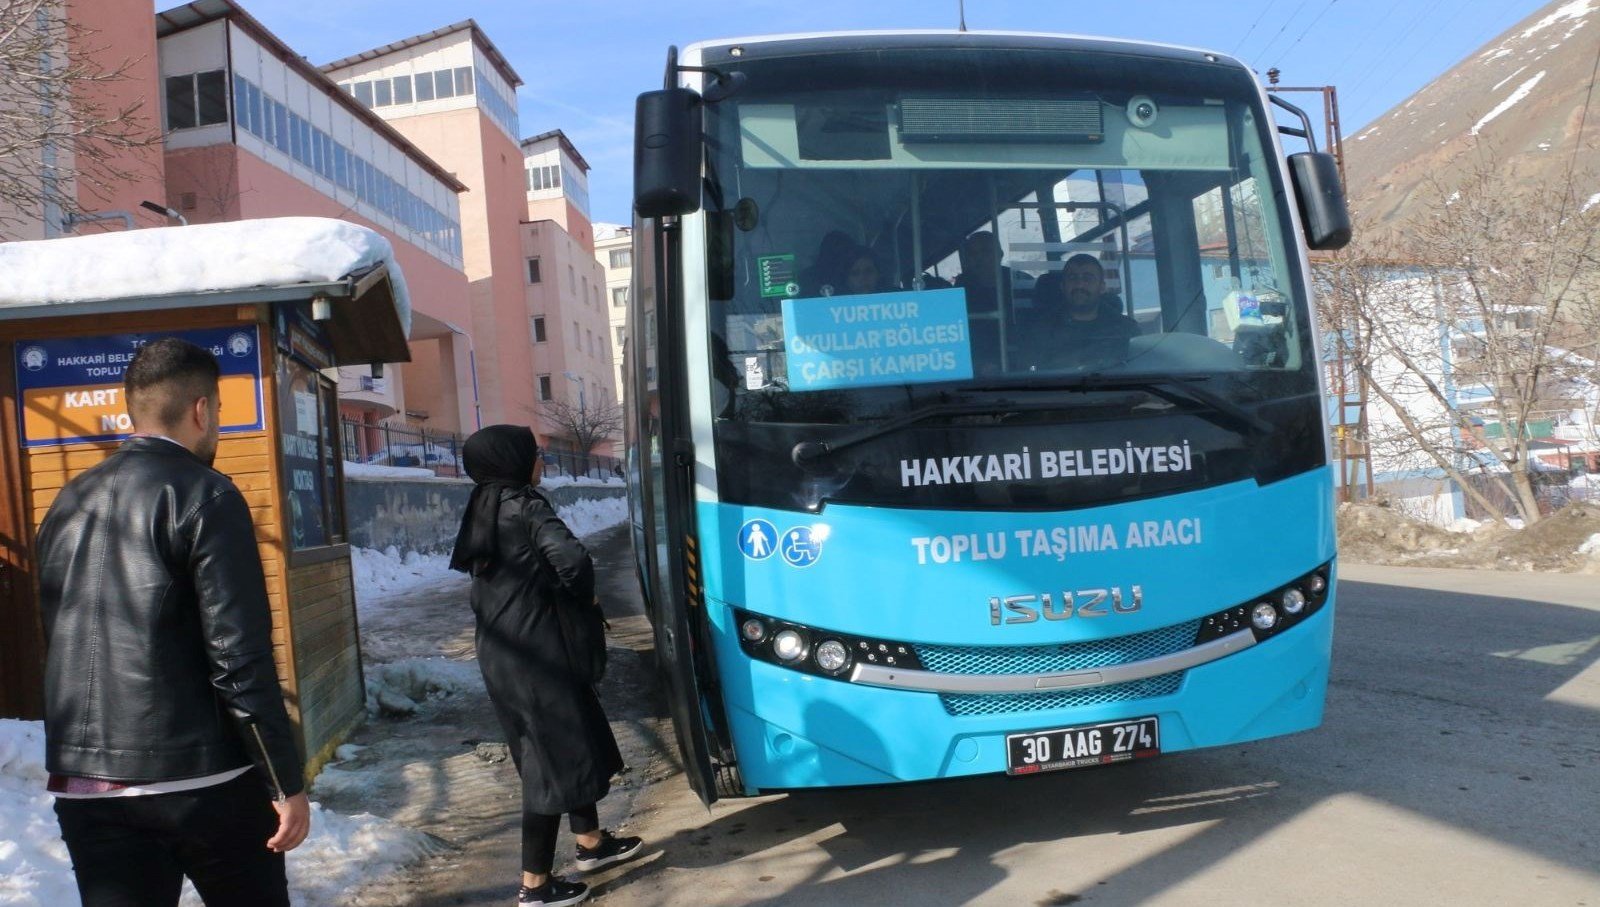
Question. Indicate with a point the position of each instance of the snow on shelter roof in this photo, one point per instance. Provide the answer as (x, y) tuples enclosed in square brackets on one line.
[(248, 261)]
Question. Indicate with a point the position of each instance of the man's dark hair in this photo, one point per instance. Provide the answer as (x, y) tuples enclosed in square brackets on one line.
[(1084, 258), (166, 376)]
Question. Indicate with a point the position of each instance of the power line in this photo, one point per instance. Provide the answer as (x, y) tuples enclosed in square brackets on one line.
[(1252, 29), (1308, 28), (1262, 53)]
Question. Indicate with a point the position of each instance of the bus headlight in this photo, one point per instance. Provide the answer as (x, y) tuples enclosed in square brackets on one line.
[(832, 656), (1264, 616), (789, 645), (753, 630), (1316, 583), (1294, 601)]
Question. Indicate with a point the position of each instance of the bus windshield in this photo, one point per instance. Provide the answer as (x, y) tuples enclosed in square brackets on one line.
[(980, 250)]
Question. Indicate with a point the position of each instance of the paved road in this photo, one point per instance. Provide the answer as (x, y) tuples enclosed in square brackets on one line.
[(1459, 764)]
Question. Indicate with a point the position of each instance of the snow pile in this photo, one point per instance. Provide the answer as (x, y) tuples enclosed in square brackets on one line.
[(371, 471), (34, 867), (1567, 540), (562, 481), (163, 261), (341, 854), (400, 688), (588, 517), (1510, 102), (386, 572)]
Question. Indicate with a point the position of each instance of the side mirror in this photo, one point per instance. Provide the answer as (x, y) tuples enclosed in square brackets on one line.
[(1323, 212), (666, 153)]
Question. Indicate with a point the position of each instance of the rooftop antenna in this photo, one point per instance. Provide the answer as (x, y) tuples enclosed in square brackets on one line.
[(961, 6)]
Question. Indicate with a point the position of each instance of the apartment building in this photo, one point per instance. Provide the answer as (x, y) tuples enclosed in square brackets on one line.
[(252, 130), (112, 37), (613, 249), (453, 94), (567, 301)]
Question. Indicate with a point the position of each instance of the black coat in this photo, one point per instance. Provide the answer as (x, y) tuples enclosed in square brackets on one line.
[(157, 626), (540, 577)]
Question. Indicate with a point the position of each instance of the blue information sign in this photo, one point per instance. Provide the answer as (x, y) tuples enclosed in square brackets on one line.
[(70, 388), (906, 337)]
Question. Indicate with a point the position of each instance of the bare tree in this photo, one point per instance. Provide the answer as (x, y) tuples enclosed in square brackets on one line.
[(1468, 331), (584, 426), (57, 135)]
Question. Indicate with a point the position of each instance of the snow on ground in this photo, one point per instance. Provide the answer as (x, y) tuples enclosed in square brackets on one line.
[(372, 471), (383, 573), (341, 853), (1591, 547), (1510, 102), (560, 481), (163, 261), (1577, 9), (588, 517), (403, 687)]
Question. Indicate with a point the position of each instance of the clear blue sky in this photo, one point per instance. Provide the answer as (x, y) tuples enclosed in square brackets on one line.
[(584, 62)]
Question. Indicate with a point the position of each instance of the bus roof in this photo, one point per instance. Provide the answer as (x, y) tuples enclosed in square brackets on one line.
[(817, 42)]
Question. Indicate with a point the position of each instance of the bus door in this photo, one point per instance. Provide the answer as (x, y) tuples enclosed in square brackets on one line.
[(666, 545)]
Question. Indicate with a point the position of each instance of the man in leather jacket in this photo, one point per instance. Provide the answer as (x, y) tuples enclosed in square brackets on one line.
[(168, 745)]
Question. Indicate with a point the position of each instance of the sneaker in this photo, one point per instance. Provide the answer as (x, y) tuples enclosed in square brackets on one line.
[(611, 849), (556, 892)]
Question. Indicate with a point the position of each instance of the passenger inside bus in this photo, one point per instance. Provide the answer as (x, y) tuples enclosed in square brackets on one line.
[(1082, 326), (988, 285)]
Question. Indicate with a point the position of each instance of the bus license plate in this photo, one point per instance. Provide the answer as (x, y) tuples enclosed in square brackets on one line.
[(1083, 746)]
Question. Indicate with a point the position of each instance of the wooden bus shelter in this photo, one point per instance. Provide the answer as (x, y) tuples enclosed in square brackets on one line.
[(61, 366)]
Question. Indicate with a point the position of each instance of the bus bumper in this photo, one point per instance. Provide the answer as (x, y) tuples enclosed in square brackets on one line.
[(814, 732)]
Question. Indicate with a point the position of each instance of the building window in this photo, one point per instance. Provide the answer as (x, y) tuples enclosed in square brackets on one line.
[(197, 99), (464, 82), (363, 92), (591, 342), (619, 297), (572, 280), (577, 336), (425, 86), (381, 94), (402, 90), (444, 84), (538, 329), (544, 388), (621, 333), (533, 270), (621, 258)]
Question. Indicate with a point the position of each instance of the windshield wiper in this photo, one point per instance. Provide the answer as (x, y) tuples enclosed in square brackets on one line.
[(1174, 388), (1177, 388), (808, 452)]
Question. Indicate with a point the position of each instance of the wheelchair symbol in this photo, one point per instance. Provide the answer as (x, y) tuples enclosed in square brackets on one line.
[(800, 547)]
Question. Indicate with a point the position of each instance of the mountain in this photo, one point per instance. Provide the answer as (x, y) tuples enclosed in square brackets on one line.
[(1518, 98)]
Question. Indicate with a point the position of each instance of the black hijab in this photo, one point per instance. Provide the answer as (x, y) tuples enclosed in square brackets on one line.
[(497, 458)]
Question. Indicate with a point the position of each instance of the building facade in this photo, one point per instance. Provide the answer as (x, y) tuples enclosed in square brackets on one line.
[(453, 94), (613, 249), (252, 131), (567, 301)]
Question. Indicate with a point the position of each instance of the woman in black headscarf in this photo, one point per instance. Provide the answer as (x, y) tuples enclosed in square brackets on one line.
[(541, 646)]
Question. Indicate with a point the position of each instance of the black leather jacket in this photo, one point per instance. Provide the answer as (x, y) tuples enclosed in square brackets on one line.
[(157, 628)]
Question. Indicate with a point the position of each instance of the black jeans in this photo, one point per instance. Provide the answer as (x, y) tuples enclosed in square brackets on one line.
[(539, 836), (135, 851)]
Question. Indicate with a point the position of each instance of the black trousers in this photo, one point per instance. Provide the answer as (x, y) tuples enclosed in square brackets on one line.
[(539, 836), (135, 851)]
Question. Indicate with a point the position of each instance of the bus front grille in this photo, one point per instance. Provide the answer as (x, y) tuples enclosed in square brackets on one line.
[(1007, 703), (1050, 659)]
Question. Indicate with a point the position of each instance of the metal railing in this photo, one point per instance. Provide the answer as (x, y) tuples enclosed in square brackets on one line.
[(391, 445), (440, 451)]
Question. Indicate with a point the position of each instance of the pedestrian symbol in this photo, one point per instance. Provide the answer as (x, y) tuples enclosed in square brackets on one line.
[(801, 547), (757, 538)]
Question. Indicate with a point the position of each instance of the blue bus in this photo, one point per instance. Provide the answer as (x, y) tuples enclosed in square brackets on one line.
[(973, 406)]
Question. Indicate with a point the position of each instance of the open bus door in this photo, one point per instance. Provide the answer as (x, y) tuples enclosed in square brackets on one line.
[(662, 485)]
